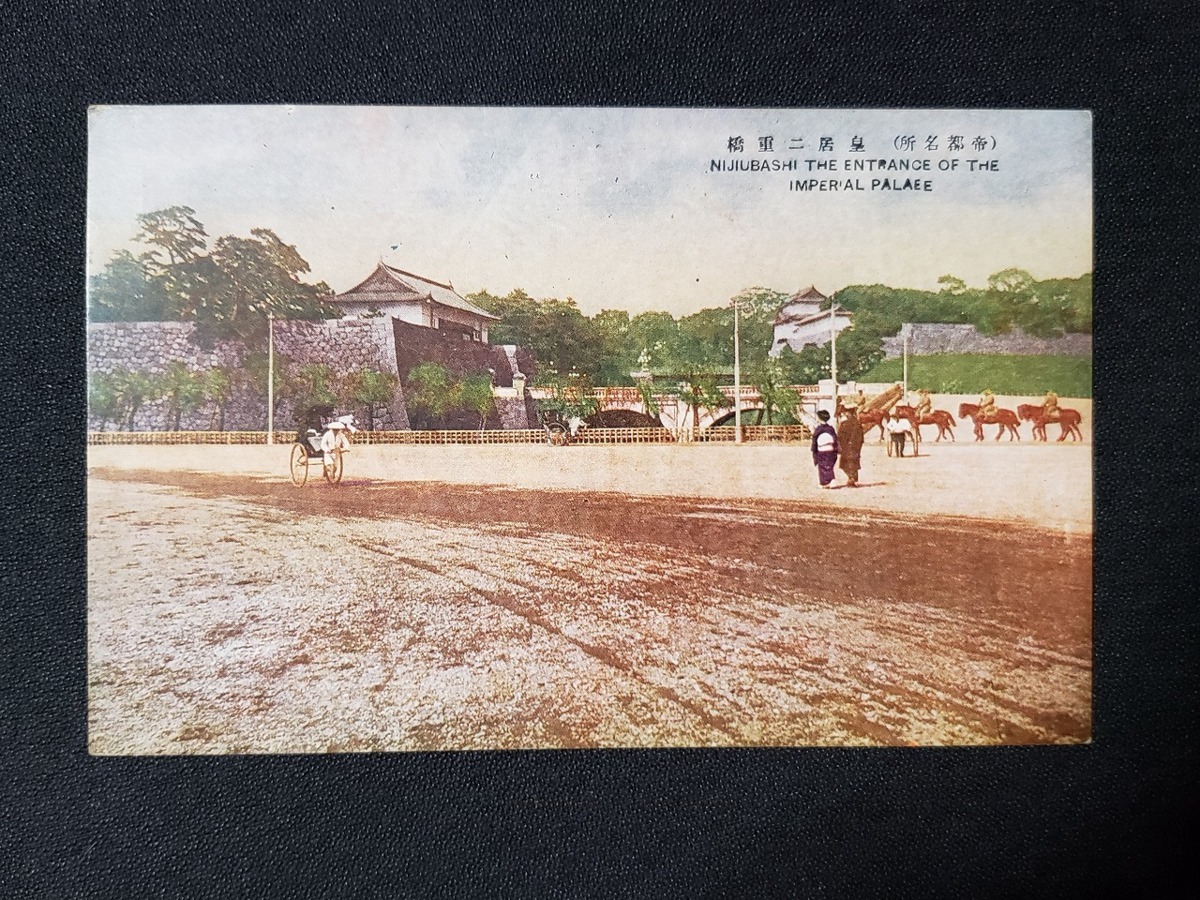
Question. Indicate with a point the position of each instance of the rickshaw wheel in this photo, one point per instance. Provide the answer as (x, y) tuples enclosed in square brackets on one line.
[(333, 473), (558, 435), (299, 465)]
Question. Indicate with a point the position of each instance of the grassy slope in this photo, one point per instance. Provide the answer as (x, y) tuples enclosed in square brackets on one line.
[(953, 373)]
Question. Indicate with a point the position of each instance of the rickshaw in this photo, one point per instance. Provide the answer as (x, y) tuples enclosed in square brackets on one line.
[(561, 431), (306, 451)]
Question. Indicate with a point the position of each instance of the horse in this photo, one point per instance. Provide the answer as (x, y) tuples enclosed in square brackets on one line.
[(1068, 419), (939, 417), (1005, 418), (870, 418)]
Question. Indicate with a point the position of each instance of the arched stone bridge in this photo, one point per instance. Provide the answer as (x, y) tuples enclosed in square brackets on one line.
[(677, 414)]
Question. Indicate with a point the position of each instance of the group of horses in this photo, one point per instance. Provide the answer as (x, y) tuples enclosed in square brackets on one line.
[(1068, 420)]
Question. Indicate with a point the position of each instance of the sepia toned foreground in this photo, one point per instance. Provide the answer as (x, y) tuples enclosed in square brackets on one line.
[(232, 612)]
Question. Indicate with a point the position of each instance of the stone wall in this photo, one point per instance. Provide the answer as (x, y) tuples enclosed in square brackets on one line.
[(927, 339), (150, 347), (345, 345)]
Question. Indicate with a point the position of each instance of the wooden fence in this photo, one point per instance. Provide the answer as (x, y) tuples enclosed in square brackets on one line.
[(754, 433)]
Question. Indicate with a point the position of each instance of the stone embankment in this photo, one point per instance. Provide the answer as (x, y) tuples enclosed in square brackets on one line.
[(925, 339)]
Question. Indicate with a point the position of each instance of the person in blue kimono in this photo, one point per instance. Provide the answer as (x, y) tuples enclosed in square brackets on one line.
[(824, 450)]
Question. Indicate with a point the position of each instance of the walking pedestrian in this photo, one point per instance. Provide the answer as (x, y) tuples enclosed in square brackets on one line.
[(850, 441), (824, 450)]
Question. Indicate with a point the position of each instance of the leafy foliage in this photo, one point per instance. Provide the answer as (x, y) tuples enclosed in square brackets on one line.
[(126, 292), (104, 400), (612, 345), (228, 291), (372, 389), (218, 384), (779, 400), (119, 395), (432, 389), (314, 384), (475, 395), (569, 397), (182, 389)]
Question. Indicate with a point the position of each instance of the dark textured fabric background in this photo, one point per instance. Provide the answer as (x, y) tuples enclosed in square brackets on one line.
[(823, 822)]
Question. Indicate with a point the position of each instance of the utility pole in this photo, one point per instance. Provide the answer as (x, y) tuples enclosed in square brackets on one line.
[(270, 378), (905, 363), (833, 353)]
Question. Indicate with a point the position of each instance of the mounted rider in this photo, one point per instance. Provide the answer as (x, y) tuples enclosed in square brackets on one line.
[(924, 404), (987, 405), (1050, 410)]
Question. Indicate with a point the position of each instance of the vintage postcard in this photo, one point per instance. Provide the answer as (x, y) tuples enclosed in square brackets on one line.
[(536, 428)]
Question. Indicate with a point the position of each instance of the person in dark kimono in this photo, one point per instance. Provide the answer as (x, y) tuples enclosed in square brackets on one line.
[(850, 441), (824, 449)]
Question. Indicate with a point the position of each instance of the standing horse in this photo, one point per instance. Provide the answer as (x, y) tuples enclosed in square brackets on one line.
[(1005, 418), (870, 418), (1068, 419), (939, 417)]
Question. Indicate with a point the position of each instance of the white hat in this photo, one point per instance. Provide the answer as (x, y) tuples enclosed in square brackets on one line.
[(336, 425)]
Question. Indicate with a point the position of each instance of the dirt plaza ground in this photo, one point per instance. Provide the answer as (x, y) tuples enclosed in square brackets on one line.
[(505, 597)]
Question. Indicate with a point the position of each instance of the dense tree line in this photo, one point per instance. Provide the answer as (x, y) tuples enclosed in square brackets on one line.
[(227, 289), (695, 350)]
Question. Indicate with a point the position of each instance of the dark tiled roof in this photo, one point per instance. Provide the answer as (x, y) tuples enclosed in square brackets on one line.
[(391, 285), (809, 293)]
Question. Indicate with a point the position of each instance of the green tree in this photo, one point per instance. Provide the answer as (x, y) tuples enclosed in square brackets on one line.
[(654, 334), (228, 291), (952, 285), (759, 306), (432, 390), (174, 235), (372, 389), (251, 278), (475, 395), (132, 390), (182, 390), (125, 292), (650, 404), (252, 376), (218, 384), (618, 356), (175, 259), (808, 366), (557, 334), (104, 399), (700, 391), (1009, 291), (314, 384), (569, 396), (778, 398)]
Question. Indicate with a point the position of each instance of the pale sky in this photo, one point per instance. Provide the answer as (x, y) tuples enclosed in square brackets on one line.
[(616, 208)]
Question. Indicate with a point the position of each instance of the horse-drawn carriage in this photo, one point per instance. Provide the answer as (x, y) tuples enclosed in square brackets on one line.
[(309, 451)]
